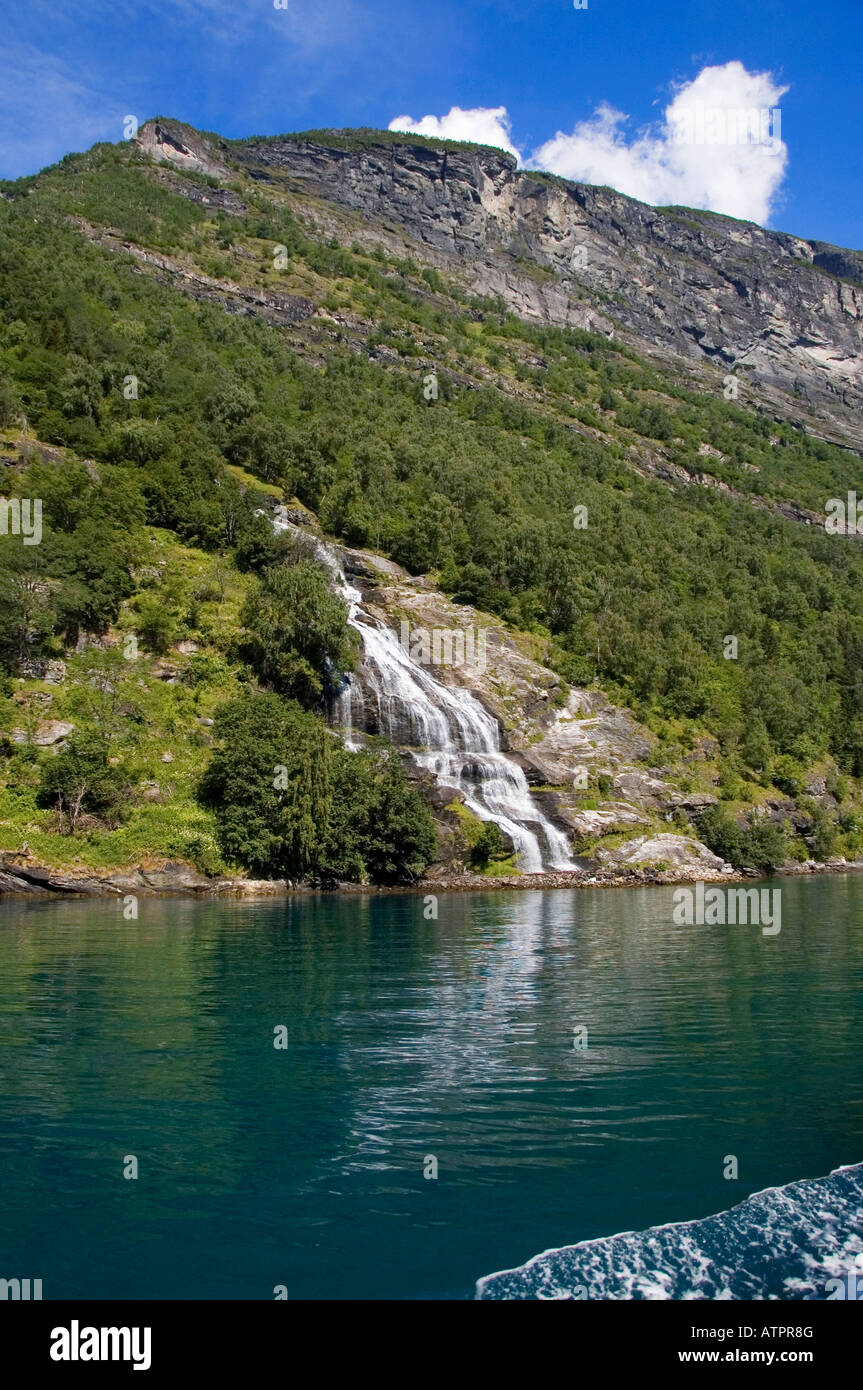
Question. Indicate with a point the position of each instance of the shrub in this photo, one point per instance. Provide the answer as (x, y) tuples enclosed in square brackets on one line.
[(757, 844), (80, 778), (490, 845)]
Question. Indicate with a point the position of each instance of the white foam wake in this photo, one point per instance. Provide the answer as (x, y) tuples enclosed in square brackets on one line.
[(782, 1243)]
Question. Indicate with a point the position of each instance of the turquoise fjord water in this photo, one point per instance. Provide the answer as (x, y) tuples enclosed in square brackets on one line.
[(410, 1038)]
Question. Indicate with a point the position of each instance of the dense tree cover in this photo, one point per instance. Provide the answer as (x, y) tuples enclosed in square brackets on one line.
[(757, 844), (269, 784), (297, 631), (79, 573), (290, 801), (478, 485), (380, 828)]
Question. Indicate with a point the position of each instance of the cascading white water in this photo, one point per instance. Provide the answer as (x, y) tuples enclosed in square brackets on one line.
[(446, 730)]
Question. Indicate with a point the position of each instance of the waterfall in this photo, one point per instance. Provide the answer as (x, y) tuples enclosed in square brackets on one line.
[(446, 731)]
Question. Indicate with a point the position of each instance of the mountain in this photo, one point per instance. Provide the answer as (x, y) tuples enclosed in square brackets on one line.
[(290, 403), (686, 287)]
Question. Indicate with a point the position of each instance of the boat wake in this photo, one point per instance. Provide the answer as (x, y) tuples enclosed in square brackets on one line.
[(782, 1243)]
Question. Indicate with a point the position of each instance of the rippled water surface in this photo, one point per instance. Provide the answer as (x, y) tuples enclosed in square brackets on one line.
[(408, 1038)]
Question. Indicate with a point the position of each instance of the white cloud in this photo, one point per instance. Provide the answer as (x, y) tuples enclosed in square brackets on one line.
[(709, 151), (700, 157), (484, 125)]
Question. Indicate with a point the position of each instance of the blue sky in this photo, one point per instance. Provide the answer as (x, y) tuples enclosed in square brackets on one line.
[(74, 71)]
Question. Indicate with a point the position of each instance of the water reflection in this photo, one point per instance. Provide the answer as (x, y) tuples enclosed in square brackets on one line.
[(408, 1037)]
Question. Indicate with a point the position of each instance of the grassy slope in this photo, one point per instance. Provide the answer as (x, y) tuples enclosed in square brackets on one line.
[(148, 712)]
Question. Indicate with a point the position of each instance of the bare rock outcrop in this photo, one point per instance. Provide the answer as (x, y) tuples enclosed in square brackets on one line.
[(673, 853)]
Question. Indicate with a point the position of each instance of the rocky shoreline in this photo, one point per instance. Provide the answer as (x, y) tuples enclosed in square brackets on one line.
[(174, 879)]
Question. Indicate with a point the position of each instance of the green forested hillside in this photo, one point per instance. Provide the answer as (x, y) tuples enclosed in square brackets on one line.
[(152, 525)]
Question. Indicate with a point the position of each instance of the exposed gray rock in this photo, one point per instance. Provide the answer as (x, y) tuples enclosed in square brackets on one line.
[(677, 852), (171, 877), (40, 669), (181, 145), (564, 751), (589, 734), (27, 698), (611, 816), (52, 731)]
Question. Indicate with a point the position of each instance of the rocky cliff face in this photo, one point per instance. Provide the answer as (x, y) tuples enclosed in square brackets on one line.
[(179, 144), (782, 313)]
